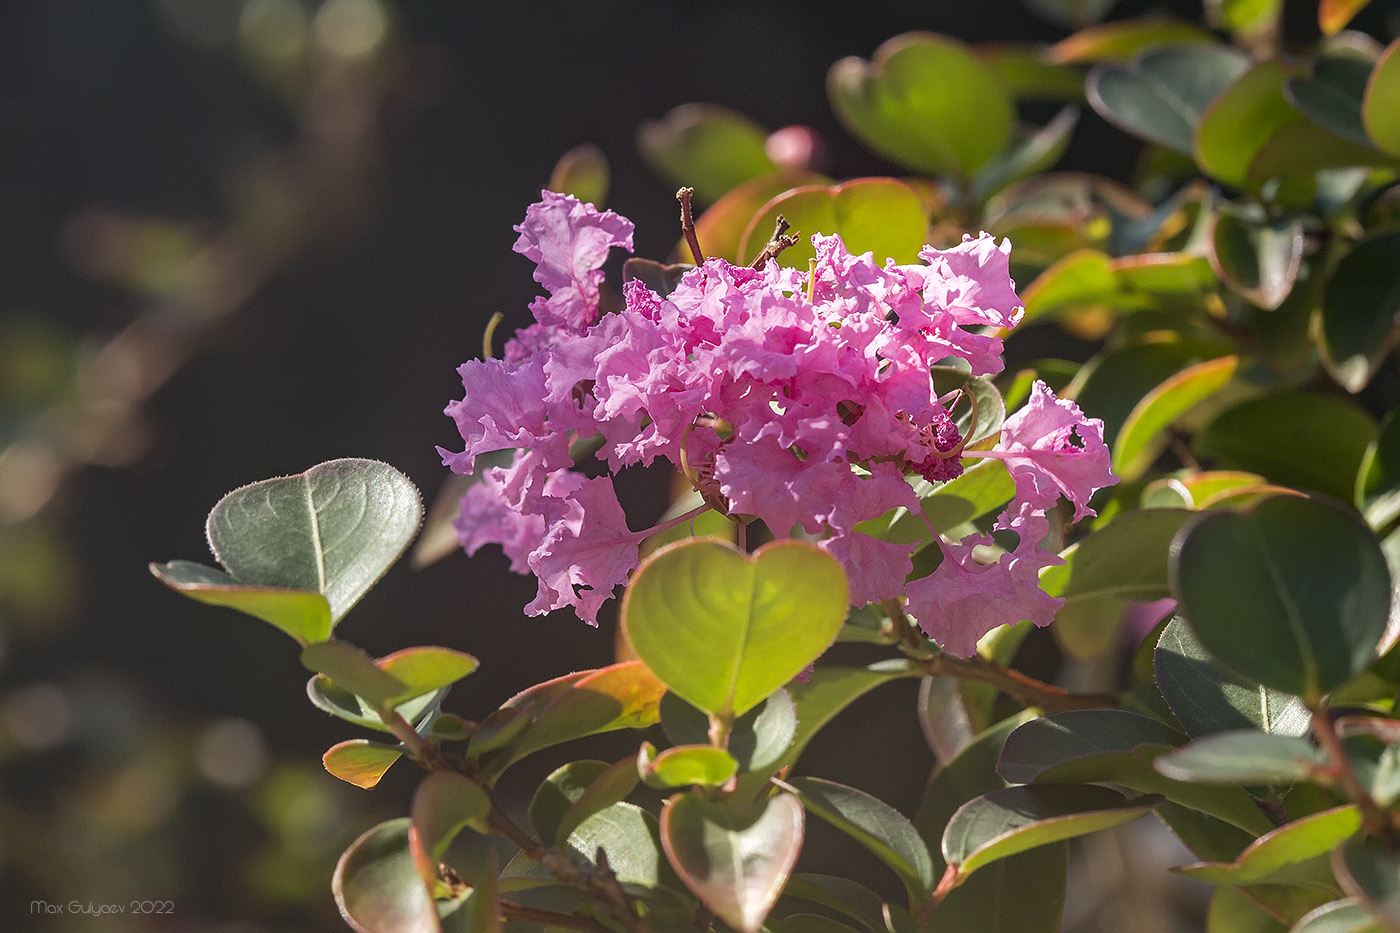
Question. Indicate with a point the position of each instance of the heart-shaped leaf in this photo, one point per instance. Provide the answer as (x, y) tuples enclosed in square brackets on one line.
[(735, 865), (1293, 594), (745, 625), (925, 101), (1005, 822), (360, 761), (377, 885), (1161, 94), (333, 530), (1360, 307), (880, 215), (1380, 110)]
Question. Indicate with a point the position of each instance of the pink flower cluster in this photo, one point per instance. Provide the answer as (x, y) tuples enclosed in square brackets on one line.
[(805, 402)]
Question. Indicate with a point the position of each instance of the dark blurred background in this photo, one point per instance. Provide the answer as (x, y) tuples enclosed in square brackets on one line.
[(241, 237)]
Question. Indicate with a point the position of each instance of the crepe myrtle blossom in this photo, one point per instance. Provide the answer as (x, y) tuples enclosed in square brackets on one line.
[(804, 399)]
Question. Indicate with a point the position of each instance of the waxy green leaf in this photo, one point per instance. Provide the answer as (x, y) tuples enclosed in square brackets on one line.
[(1144, 433), (926, 101), (1243, 756), (1207, 698), (1330, 94), (877, 826), (302, 614), (735, 864), (723, 629), (684, 765), (756, 740), (1293, 593), (1380, 110), (360, 761), (1241, 121), (1005, 822), (1161, 93), (1360, 307), (1259, 260), (377, 885), (880, 215), (1272, 855)]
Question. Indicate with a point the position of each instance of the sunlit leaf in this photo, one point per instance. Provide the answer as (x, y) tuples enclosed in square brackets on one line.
[(445, 804), (1122, 39), (1259, 260), (360, 761), (302, 614), (1144, 432), (1378, 481), (1380, 110), (683, 765), (1270, 857), (706, 147), (1243, 756), (880, 215)]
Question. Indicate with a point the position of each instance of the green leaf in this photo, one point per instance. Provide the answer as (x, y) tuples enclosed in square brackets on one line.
[(583, 173), (735, 865), (1111, 384), (1344, 916), (564, 787), (1005, 822), (1359, 308), (877, 826), (925, 101), (1161, 93), (1125, 559), (1071, 13), (445, 804), (360, 761), (880, 215), (334, 529), (377, 885), (720, 229), (706, 147), (355, 671), (970, 774), (1207, 698), (1259, 260), (1241, 121), (1369, 871), (1122, 39), (1026, 74), (1330, 94), (621, 696), (1144, 432), (426, 669), (632, 841), (610, 786), (304, 615), (1243, 756), (1245, 19), (1378, 480), (479, 911), (1293, 594), (1380, 110), (827, 692), (1231, 910), (846, 897), (1116, 746), (1271, 856), (332, 698), (1032, 152), (1297, 439), (746, 626), (1022, 893), (685, 765), (757, 739)]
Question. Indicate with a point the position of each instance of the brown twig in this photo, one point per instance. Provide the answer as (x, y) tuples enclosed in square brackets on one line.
[(1013, 683), (550, 918), (1374, 819), (688, 225), (779, 241)]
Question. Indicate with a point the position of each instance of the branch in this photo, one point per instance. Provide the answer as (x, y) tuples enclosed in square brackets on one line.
[(779, 241), (1374, 819), (688, 225)]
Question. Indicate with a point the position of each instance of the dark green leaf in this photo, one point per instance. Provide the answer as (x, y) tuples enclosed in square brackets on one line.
[(925, 101), (1032, 152), (377, 885), (735, 865), (1207, 698), (1369, 871), (1022, 893), (1293, 594), (1005, 822), (875, 825), (1359, 308), (842, 895), (1295, 439), (1259, 260), (757, 739), (610, 786), (747, 626), (564, 787), (1161, 93), (1330, 95)]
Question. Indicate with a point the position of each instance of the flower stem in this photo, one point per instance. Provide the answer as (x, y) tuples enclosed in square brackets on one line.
[(688, 225)]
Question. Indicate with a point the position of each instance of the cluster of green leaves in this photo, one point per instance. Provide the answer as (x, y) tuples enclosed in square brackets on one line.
[(1242, 294)]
